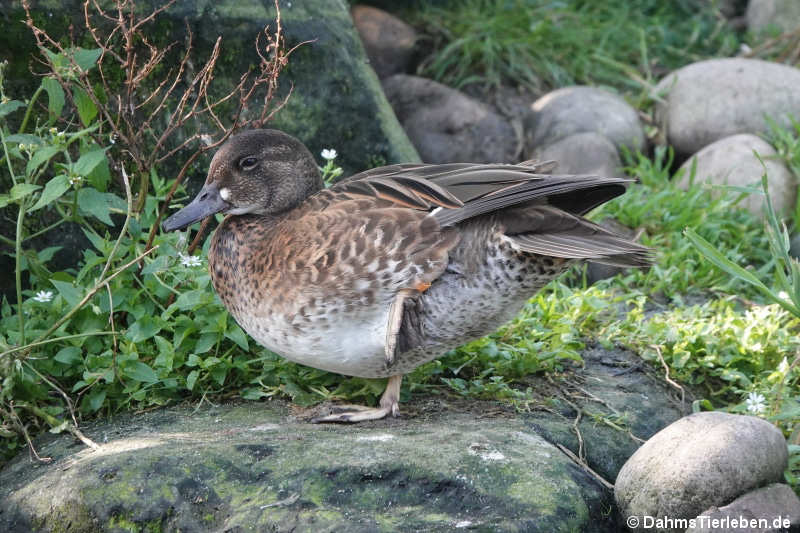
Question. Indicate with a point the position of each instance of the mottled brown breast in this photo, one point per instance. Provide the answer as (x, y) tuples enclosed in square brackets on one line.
[(336, 254)]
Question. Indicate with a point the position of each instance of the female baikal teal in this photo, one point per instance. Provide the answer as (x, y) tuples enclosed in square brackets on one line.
[(392, 267)]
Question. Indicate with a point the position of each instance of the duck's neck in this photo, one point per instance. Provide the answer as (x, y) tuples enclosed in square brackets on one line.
[(229, 256)]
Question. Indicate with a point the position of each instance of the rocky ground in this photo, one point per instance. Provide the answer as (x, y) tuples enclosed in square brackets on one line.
[(447, 463)]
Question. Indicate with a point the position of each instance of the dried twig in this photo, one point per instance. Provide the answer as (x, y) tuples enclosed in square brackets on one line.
[(11, 414), (577, 460), (666, 374)]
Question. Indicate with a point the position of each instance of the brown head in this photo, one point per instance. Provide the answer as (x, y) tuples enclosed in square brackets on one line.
[(257, 171)]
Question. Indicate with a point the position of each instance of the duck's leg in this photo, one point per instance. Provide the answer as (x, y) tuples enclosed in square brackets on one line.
[(395, 322), (358, 413)]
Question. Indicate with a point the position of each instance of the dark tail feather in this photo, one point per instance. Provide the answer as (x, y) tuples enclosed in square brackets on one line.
[(547, 230), (606, 249)]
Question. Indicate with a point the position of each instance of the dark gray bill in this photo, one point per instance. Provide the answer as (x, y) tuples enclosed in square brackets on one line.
[(206, 203)]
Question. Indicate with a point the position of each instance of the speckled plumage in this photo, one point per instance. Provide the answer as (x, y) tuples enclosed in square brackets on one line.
[(454, 250)]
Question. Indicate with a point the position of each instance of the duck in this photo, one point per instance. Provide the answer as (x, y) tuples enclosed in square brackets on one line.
[(392, 267)]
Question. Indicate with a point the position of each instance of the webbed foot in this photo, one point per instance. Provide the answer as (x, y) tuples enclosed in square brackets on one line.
[(389, 405)]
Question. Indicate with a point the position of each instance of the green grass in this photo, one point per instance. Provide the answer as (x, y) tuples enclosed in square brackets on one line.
[(544, 44)]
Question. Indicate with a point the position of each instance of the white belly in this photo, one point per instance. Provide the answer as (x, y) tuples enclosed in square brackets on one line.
[(353, 347)]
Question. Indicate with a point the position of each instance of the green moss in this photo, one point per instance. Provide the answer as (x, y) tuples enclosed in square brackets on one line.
[(124, 523)]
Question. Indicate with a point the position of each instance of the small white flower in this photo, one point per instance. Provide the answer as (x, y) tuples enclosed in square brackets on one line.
[(783, 296), (190, 260), (756, 403), (783, 368), (53, 131), (5, 100), (329, 154), (75, 180), (43, 296)]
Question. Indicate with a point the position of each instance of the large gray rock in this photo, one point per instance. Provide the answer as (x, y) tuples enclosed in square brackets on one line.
[(777, 505), (446, 126), (783, 15), (702, 460), (730, 161), (248, 468), (582, 153), (389, 41), (571, 110), (446, 465), (709, 100)]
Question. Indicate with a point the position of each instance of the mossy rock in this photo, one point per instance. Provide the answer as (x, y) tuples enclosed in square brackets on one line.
[(254, 467), (246, 468), (336, 102)]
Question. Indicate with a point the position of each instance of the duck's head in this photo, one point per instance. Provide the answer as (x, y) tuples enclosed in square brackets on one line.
[(258, 171)]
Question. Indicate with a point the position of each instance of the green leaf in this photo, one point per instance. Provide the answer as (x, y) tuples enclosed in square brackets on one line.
[(96, 399), (24, 138), (787, 414), (725, 264), (159, 264), (218, 374), (55, 97), (191, 299), (86, 59), (252, 393), (206, 342), (99, 204), (144, 328), (71, 355), (96, 240), (47, 254), (88, 161), (86, 108), (100, 177), (52, 191), (166, 353), (4, 200), (140, 372), (21, 190), (191, 379), (10, 107), (238, 336), (70, 293), (42, 155)]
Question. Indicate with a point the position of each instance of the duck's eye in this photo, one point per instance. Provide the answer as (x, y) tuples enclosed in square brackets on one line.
[(248, 163)]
